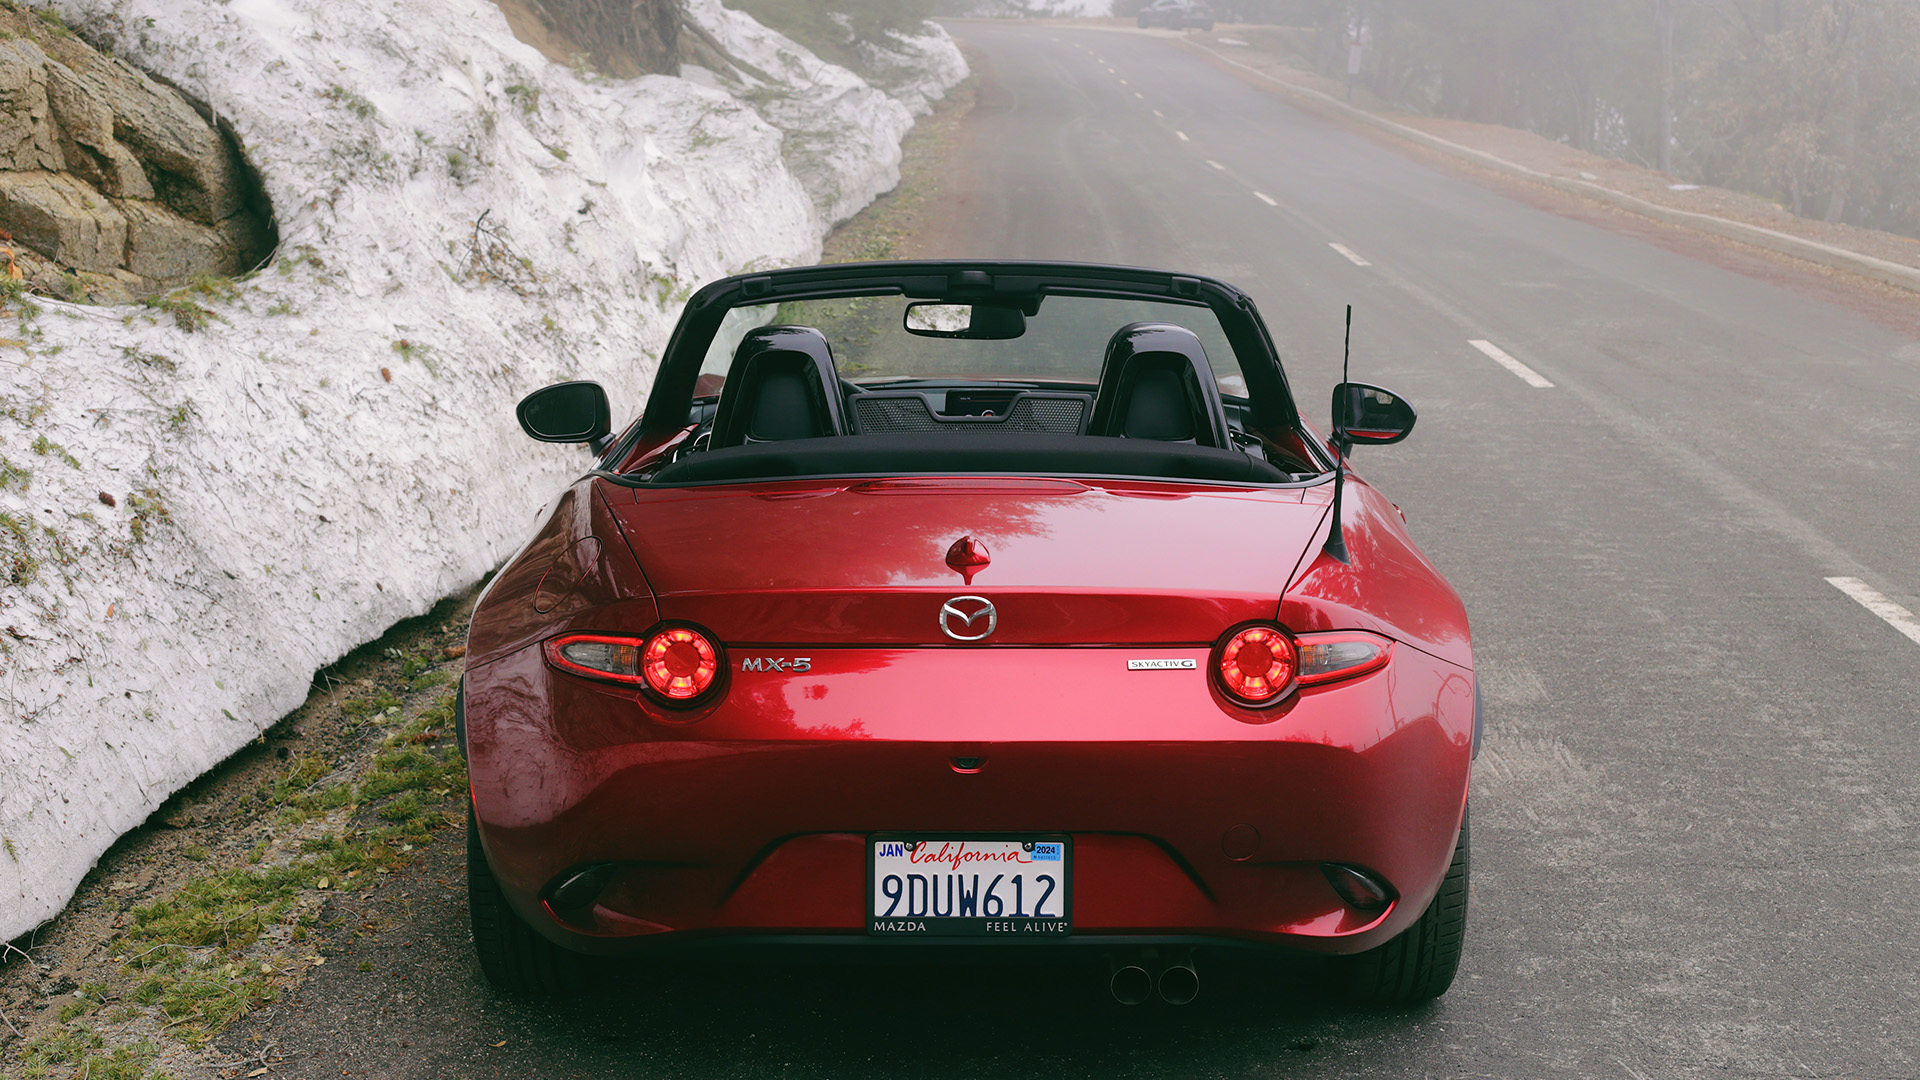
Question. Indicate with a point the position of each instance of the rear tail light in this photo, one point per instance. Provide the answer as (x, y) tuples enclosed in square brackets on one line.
[(678, 664), (1343, 654), (1257, 664), (1260, 664)]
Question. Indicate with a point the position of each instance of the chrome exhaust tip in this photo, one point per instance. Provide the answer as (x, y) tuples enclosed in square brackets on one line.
[(1131, 985), (1179, 984)]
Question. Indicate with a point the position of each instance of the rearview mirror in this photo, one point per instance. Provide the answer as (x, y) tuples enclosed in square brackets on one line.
[(568, 412), (976, 322), (1370, 414)]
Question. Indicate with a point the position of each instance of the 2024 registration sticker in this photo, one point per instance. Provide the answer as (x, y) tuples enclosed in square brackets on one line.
[(977, 887)]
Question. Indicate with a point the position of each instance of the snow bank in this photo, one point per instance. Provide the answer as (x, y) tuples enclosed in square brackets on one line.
[(198, 518), (915, 71), (1046, 8), (843, 165)]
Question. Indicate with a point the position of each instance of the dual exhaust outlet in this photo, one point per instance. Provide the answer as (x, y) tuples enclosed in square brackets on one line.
[(1136, 980)]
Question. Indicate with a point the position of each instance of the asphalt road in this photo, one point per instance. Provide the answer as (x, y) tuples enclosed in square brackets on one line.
[(1697, 817)]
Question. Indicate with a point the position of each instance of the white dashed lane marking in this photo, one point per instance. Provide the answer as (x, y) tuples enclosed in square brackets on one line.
[(1159, 114), (1494, 352), (1183, 136), (1216, 165), (1349, 253), (1265, 198), (1891, 613)]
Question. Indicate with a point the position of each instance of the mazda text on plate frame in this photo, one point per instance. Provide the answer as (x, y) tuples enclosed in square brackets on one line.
[(970, 604)]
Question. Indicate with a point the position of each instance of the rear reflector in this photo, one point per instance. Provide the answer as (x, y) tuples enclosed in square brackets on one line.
[(572, 894), (1359, 888)]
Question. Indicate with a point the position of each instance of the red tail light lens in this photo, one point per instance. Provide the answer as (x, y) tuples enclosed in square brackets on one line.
[(1344, 654), (1257, 664), (678, 663)]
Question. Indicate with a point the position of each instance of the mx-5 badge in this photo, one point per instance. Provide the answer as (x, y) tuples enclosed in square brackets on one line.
[(776, 663)]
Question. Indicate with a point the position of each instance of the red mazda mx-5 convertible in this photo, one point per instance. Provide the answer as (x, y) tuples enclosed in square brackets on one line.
[(971, 603)]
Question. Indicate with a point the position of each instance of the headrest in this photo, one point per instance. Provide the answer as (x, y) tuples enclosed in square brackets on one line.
[(782, 385), (1155, 383)]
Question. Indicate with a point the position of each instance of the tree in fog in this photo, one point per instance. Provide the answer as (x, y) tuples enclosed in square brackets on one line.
[(1815, 102)]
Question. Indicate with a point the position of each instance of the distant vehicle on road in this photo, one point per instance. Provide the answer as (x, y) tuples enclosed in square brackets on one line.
[(971, 603), (1177, 15)]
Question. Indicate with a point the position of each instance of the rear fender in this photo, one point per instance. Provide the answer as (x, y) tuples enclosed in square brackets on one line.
[(1386, 585), (576, 564)]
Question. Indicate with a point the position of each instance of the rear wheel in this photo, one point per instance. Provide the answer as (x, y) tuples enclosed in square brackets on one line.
[(1419, 964), (515, 959)]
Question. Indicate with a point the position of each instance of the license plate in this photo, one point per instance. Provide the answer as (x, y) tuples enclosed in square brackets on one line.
[(970, 886)]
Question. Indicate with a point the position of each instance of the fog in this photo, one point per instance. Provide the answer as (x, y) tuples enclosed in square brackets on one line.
[(1814, 104)]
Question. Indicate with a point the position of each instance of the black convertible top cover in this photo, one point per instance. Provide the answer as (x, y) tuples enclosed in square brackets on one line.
[(1020, 453)]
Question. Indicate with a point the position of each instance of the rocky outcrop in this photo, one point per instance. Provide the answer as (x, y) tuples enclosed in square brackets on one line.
[(113, 185)]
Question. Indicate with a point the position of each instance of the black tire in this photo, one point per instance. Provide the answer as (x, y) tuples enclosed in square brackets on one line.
[(1420, 964), (515, 959)]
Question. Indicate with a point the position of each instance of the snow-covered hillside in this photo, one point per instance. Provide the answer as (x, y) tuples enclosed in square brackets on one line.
[(842, 134), (1046, 8), (207, 501)]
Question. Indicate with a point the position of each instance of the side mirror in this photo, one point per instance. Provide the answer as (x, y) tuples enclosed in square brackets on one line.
[(1370, 415), (975, 322), (568, 412)]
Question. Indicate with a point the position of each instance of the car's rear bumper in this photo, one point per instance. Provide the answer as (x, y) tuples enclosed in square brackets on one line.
[(1189, 821)]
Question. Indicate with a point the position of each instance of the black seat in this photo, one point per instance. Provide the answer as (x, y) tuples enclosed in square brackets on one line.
[(1155, 383), (782, 385)]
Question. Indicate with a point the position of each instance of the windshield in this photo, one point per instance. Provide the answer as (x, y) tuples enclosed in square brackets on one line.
[(1065, 341)]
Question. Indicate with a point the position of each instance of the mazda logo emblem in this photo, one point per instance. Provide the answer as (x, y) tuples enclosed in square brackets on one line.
[(960, 618)]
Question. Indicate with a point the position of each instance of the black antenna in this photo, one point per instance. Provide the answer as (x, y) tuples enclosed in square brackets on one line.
[(1336, 537)]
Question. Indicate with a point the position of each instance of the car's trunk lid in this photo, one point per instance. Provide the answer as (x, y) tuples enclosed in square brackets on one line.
[(865, 562)]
